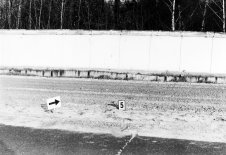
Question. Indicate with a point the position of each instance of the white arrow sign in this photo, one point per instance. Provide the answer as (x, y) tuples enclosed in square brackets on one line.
[(53, 103)]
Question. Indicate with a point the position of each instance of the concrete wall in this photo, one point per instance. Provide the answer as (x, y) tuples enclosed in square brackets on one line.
[(151, 51)]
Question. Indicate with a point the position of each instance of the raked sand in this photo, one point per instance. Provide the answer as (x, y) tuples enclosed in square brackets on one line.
[(89, 107)]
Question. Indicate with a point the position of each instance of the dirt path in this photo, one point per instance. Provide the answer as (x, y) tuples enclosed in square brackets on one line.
[(169, 110)]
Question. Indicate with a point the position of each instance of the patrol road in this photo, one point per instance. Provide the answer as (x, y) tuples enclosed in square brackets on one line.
[(165, 110), (27, 141)]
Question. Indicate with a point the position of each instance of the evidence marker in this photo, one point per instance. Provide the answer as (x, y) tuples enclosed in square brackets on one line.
[(53, 103), (121, 105)]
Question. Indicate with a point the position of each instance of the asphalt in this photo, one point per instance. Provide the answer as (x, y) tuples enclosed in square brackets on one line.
[(29, 141)]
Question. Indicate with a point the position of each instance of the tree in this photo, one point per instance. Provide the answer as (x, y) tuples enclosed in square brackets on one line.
[(88, 14), (36, 16), (171, 6), (204, 15), (19, 15), (173, 15), (180, 22), (220, 5), (40, 15), (79, 18), (1, 15), (9, 13), (223, 6), (30, 14), (116, 14), (49, 15), (62, 14), (165, 15)]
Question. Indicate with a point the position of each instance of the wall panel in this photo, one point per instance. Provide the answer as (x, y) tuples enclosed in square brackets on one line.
[(152, 51)]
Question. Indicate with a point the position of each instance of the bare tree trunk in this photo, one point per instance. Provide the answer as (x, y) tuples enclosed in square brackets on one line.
[(173, 16), (179, 18), (71, 22), (134, 16), (141, 15), (224, 16), (1, 15), (171, 5), (49, 17), (62, 14), (106, 17), (9, 14), (1, 18), (116, 13), (102, 15), (36, 17), (19, 15), (204, 15), (40, 14), (79, 8), (30, 14), (88, 14)]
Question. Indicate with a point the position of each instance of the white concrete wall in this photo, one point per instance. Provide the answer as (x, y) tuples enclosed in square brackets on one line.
[(151, 51)]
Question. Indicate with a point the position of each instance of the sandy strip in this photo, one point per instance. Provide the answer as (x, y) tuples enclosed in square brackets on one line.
[(167, 124), (85, 111)]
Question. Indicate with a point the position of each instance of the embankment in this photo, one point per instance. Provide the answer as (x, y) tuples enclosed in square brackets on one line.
[(117, 75)]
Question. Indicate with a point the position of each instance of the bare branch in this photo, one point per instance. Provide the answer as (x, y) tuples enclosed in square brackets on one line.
[(215, 12)]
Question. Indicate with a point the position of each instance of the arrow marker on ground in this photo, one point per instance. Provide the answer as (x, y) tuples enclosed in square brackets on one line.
[(53, 103)]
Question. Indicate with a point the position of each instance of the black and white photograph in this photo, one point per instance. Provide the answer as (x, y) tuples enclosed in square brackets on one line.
[(112, 77)]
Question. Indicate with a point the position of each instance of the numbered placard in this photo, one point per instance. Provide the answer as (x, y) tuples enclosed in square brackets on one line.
[(121, 105)]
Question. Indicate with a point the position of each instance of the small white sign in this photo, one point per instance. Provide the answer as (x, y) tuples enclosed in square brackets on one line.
[(53, 103), (121, 105)]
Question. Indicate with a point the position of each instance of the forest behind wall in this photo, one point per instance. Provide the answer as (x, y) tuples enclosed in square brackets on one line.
[(164, 15)]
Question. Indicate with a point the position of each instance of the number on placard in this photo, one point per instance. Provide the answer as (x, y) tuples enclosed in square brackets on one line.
[(121, 105)]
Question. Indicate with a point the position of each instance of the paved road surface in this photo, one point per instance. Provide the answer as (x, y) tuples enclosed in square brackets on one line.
[(27, 141)]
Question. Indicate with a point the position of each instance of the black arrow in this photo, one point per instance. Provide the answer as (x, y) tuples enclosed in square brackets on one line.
[(55, 102)]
